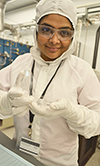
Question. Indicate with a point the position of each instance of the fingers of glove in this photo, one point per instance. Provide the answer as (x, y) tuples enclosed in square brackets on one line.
[(59, 105), (53, 113), (20, 111), (34, 107), (44, 110), (20, 101), (15, 92)]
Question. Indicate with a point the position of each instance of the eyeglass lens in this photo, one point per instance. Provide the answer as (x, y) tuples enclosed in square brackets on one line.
[(48, 32)]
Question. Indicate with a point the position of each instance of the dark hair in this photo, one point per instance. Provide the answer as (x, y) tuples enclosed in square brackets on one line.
[(54, 13), (42, 18)]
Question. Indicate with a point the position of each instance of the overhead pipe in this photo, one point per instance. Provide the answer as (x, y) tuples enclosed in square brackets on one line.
[(96, 48), (88, 4), (2, 13), (11, 28), (79, 30)]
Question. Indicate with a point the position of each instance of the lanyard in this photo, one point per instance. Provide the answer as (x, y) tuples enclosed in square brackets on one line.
[(31, 116)]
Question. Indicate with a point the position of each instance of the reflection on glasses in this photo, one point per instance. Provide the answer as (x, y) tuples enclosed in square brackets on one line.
[(48, 32)]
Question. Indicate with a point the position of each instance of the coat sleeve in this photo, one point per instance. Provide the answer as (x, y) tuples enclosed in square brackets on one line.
[(89, 104), (5, 83)]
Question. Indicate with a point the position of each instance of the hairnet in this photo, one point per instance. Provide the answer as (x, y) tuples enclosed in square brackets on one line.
[(63, 7)]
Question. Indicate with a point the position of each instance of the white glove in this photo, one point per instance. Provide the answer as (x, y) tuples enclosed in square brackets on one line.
[(6, 108), (16, 100), (43, 110), (6, 100), (20, 104), (71, 112), (80, 119)]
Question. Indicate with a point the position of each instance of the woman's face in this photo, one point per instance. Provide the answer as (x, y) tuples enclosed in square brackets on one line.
[(53, 48)]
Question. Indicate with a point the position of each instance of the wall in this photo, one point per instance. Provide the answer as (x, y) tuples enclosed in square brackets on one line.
[(87, 40), (22, 15)]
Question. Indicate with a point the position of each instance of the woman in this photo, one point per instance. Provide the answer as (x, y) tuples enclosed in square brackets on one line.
[(64, 98)]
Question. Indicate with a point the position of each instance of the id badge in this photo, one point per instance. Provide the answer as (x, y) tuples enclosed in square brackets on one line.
[(29, 146)]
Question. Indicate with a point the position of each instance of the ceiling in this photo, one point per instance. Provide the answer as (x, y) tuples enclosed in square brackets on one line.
[(17, 4), (83, 6)]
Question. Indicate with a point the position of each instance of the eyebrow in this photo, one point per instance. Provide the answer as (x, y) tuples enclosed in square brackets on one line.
[(58, 28)]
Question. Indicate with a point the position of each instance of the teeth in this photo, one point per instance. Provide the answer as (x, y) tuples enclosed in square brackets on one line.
[(52, 48)]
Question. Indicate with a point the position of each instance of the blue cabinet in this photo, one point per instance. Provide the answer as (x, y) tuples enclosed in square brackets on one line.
[(9, 50)]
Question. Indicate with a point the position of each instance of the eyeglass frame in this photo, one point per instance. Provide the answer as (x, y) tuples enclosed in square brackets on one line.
[(54, 31)]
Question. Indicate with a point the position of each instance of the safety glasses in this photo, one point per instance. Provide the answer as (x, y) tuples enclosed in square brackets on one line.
[(63, 34)]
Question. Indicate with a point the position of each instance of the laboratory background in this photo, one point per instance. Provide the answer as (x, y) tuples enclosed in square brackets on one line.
[(17, 22)]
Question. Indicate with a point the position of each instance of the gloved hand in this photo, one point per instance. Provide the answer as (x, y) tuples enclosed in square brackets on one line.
[(71, 112), (6, 100), (19, 103), (5, 105), (16, 100), (43, 109), (61, 108)]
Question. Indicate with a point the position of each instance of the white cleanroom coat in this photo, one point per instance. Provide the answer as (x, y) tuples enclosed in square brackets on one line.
[(75, 81)]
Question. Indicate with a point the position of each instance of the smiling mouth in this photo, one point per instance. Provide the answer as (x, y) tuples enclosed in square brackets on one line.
[(53, 49)]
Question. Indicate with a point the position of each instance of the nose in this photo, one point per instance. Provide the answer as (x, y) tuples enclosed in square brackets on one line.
[(54, 39)]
